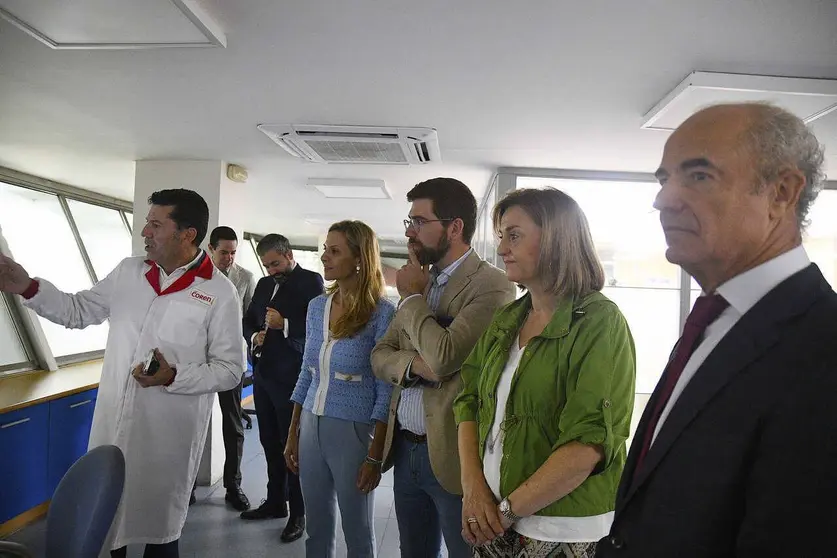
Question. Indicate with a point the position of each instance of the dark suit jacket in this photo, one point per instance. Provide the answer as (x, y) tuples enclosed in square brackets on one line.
[(281, 358), (745, 465)]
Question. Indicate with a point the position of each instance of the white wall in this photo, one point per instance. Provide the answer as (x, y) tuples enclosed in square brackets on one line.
[(204, 177)]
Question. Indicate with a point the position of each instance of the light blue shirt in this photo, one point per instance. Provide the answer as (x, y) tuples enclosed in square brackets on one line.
[(411, 406)]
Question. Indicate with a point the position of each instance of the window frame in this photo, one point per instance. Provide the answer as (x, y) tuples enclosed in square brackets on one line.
[(31, 363), (40, 353)]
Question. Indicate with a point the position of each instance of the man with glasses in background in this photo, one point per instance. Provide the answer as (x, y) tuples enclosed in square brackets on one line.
[(448, 297)]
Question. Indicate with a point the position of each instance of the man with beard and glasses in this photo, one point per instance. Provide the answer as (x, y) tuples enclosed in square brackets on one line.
[(448, 297), (274, 326)]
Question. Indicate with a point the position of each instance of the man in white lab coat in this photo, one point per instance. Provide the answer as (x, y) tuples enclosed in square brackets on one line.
[(178, 305)]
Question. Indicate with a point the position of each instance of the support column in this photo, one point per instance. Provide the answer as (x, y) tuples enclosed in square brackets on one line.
[(205, 178)]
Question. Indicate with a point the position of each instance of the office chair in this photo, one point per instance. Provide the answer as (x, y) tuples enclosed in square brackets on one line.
[(82, 508)]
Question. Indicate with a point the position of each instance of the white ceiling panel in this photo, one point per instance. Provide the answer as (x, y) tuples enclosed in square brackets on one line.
[(809, 99), (112, 23)]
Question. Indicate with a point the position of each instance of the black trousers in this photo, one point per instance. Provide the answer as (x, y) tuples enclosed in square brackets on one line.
[(274, 410), (170, 550), (233, 430)]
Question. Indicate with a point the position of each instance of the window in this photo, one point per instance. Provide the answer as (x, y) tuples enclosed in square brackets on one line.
[(308, 259), (247, 258), (106, 238), (820, 239), (489, 244), (12, 351), (129, 221), (485, 239), (391, 265), (41, 240), (631, 245)]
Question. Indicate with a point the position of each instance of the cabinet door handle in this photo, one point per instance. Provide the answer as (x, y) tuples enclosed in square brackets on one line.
[(15, 423), (80, 403)]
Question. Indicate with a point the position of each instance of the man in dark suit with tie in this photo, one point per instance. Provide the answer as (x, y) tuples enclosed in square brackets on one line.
[(736, 452), (274, 326)]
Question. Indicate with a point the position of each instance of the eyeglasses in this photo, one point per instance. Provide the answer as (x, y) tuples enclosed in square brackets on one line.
[(417, 222)]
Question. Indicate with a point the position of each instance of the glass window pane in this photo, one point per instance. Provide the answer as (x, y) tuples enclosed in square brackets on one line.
[(246, 257), (625, 227), (820, 239), (309, 259), (104, 235), (391, 266), (653, 316), (41, 240), (479, 238), (130, 217), (488, 236), (11, 347)]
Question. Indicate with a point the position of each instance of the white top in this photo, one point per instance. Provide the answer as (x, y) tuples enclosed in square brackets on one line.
[(542, 528), (161, 430), (742, 292)]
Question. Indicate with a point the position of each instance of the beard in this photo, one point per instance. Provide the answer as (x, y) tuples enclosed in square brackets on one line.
[(282, 276), (429, 255)]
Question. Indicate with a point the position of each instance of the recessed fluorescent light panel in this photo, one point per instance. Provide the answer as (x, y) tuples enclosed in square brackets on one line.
[(809, 99), (352, 189)]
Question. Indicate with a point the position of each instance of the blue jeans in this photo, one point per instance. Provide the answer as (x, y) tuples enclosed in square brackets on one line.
[(425, 511), (331, 452)]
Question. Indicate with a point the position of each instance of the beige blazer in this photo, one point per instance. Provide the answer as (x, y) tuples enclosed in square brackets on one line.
[(472, 295)]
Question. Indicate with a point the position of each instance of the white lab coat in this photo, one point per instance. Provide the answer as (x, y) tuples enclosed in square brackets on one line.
[(161, 430)]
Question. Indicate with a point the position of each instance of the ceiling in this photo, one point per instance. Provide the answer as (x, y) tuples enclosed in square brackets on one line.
[(533, 83)]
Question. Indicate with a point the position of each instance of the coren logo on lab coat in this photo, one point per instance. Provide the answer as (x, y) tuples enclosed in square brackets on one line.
[(202, 297)]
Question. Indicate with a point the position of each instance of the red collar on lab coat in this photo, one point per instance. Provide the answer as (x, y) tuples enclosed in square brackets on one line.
[(202, 269)]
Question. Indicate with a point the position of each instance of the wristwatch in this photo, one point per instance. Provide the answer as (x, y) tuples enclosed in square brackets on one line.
[(505, 509)]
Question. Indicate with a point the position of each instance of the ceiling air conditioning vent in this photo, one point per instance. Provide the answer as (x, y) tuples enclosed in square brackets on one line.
[(357, 144)]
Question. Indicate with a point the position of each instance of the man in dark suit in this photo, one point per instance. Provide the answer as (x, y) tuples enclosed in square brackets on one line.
[(736, 452), (274, 326)]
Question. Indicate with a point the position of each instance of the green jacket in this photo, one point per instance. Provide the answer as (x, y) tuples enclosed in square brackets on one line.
[(575, 382)]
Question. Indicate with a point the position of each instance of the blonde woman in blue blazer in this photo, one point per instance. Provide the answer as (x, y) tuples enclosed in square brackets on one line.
[(340, 416)]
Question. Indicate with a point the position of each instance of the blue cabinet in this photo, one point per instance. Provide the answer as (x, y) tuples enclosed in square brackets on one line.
[(38, 444), (70, 419), (24, 436)]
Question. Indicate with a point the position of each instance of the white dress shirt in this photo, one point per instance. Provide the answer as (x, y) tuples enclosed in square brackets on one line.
[(742, 292)]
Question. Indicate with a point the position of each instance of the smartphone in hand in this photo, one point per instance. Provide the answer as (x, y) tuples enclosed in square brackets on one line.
[(152, 365)]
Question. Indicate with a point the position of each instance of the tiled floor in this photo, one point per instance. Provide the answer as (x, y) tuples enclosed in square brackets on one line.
[(213, 530)]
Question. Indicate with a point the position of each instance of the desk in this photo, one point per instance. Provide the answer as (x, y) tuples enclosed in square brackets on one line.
[(24, 390)]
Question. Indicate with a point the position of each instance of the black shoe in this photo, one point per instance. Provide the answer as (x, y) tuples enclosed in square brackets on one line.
[(237, 499), (293, 530), (265, 511)]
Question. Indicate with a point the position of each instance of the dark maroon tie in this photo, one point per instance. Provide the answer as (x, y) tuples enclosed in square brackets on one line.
[(706, 310)]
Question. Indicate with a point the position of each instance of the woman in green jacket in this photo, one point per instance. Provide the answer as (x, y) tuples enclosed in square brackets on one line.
[(545, 408)]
